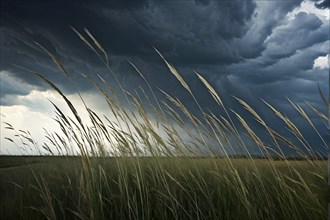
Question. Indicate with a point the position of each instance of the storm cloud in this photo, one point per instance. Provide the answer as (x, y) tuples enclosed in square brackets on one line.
[(250, 49)]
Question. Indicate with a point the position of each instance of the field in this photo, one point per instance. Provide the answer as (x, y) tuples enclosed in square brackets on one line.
[(161, 188), (153, 158)]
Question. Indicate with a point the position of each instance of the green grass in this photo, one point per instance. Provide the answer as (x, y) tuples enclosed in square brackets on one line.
[(156, 159), (162, 188)]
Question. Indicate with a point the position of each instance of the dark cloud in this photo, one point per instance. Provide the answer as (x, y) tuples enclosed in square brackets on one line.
[(187, 32), (323, 4), (249, 49), (183, 30)]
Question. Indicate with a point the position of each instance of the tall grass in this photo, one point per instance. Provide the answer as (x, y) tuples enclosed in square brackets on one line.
[(156, 159)]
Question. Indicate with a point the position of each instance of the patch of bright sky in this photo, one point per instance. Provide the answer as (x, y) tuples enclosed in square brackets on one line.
[(322, 62), (22, 118), (33, 113), (309, 7)]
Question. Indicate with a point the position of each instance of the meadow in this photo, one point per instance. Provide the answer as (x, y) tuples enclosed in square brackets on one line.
[(157, 159), (162, 188)]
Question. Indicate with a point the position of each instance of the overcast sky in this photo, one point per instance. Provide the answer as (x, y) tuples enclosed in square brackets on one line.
[(250, 49)]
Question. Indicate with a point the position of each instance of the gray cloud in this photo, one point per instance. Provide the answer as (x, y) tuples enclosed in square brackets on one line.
[(11, 87), (268, 15), (304, 31)]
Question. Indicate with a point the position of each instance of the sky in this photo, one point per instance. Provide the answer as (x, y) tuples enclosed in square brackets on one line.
[(270, 50)]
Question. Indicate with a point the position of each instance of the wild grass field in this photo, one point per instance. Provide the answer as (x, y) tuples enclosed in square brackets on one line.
[(157, 159), (162, 188)]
